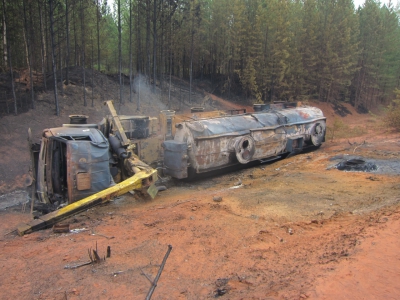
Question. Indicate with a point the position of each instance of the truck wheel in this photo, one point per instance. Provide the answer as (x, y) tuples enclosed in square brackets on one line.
[(318, 133), (245, 148)]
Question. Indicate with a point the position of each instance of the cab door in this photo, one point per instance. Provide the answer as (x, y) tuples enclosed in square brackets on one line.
[(87, 169)]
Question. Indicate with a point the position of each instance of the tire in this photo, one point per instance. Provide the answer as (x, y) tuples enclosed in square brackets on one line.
[(318, 133), (244, 149)]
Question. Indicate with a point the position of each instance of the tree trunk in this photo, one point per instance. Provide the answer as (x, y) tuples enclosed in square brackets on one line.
[(46, 35), (119, 51), (154, 44), (53, 54), (83, 52), (60, 55), (191, 64), (139, 56), (98, 36), (130, 51), (148, 73), (5, 54), (170, 57), (139, 65), (75, 38), (9, 59), (43, 47), (67, 55), (92, 75), (29, 44)]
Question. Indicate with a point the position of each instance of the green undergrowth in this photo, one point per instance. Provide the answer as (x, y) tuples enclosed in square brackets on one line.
[(340, 130), (393, 114)]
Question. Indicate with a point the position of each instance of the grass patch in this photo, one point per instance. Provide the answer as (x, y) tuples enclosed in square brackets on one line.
[(340, 130)]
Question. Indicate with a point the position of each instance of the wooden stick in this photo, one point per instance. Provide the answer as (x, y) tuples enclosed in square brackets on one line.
[(77, 266), (107, 237), (12, 231), (108, 251), (90, 254), (145, 275), (153, 286), (97, 258)]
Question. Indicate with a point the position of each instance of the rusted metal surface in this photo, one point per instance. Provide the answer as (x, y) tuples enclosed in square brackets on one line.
[(77, 162), (61, 228), (149, 149), (119, 130), (218, 142), (74, 164), (175, 153)]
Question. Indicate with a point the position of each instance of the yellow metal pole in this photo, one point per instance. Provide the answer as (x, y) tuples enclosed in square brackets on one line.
[(132, 183)]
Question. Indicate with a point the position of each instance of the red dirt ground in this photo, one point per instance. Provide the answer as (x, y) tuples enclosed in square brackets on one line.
[(292, 229)]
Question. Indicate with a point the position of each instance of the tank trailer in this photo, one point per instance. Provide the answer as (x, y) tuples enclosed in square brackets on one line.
[(80, 165)]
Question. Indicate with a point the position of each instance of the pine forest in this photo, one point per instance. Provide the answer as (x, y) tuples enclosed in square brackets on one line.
[(258, 51)]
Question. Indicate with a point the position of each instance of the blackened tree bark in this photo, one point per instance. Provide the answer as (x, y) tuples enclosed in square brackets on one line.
[(9, 57), (170, 54), (192, 33), (83, 52), (29, 44), (139, 51), (130, 52), (42, 46), (148, 25), (76, 48), (60, 62), (92, 74), (5, 54), (191, 64), (154, 44), (119, 51), (67, 54), (53, 54), (98, 35)]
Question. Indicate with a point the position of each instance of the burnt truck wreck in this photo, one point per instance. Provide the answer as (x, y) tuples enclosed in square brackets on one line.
[(216, 142), (81, 165)]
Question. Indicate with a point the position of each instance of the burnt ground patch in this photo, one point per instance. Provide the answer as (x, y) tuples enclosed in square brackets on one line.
[(353, 163), (341, 110)]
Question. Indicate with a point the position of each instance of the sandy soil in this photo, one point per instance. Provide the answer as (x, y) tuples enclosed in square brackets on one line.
[(296, 228)]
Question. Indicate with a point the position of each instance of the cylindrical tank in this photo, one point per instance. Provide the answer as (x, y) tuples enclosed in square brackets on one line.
[(168, 114), (212, 143), (196, 109), (260, 107), (78, 119)]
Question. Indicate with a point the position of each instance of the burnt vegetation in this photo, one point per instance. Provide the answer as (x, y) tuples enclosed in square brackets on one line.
[(245, 50)]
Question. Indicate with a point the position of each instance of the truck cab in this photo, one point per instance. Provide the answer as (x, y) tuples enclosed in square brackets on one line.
[(73, 163)]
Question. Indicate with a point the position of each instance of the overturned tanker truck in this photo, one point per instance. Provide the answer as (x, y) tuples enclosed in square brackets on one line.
[(205, 144), (81, 165)]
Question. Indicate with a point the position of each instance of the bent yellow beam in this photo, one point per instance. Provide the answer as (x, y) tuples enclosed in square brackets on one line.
[(132, 183)]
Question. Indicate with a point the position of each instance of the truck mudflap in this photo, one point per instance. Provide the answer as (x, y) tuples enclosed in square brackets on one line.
[(140, 180)]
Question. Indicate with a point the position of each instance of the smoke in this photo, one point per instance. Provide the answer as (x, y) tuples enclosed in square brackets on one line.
[(148, 98)]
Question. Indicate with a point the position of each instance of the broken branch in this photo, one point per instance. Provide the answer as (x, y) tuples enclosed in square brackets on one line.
[(97, 258), (145, 275), (154, 284), (358, 146), (90, 255), (77, 266), (108, 251)]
